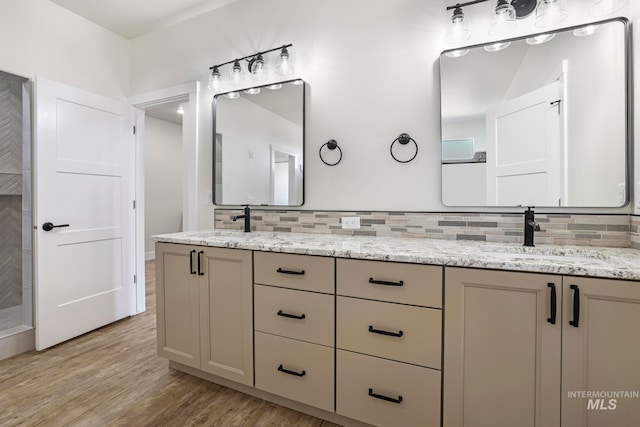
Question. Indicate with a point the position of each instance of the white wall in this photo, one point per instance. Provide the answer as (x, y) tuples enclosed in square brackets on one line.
[(38, 37), (371, 68), (163, 179)]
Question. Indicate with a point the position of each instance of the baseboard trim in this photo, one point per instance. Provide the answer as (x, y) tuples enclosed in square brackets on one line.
[(17, 343)]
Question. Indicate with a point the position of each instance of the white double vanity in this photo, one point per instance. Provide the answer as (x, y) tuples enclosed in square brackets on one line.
[(406, 332)]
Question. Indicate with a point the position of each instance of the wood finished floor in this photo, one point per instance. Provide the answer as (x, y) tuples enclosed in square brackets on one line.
[(113, 377)]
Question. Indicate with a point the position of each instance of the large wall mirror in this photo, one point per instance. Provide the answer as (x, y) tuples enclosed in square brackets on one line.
[(539, 121), (258, 156)]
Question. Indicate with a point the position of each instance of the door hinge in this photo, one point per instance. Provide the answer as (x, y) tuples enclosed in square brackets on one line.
[(135, 279), (134, 130), (134, 204)]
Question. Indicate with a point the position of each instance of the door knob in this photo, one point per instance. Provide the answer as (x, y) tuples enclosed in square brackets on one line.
[(48, 226)]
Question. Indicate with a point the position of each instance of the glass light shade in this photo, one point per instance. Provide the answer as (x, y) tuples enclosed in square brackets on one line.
[(606, 7), (586, 30), (297, 82), (215, 79), (258, 68), (275, 86), (496, 47), (253, 91), (232, 95), (237, 74), (503, 19), (550, 12), (457, 53), (284, 66), (458, 28), (540, 38)]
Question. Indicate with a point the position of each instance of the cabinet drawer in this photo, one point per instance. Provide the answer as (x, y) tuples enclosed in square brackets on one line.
[(390, 281), (278, 311), (367, 327), (296, 370), (363, 383), (306, 272)]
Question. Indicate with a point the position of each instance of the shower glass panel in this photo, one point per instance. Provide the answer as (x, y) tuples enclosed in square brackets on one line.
[(15, 205)]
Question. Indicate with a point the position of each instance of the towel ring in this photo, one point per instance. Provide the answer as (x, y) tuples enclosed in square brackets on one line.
[(331, 145), (403, 139)]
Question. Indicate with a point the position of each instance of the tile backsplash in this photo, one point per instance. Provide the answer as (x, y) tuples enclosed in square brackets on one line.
[(561, 229)]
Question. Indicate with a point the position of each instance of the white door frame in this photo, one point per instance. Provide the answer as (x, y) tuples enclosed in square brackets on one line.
[(190, 166)]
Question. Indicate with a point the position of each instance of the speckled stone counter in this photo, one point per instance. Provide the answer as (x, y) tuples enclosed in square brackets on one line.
[(570, 260)]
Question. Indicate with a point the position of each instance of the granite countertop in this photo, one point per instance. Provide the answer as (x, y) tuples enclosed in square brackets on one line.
[(571, 260)]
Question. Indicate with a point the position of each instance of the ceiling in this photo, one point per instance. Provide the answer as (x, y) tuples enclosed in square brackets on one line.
[(133, 18)]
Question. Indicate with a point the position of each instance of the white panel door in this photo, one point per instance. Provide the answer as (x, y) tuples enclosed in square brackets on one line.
[(525, 150), (84, 156)]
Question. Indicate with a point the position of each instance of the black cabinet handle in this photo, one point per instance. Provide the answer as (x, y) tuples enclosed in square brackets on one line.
[(191, 270), (381, 332), (576, 306), (294, 373), (291, 316), (48, 226), (554, 303), (294, 272), (200, 273), (385, 398), (385, 283)]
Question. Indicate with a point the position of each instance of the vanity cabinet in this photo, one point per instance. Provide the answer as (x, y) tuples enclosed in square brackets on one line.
[(295, 327), (388, 356), (204, 309), (513, 352)]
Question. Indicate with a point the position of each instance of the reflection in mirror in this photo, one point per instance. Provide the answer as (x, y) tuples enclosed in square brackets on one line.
[(258, 156), (542, 122)]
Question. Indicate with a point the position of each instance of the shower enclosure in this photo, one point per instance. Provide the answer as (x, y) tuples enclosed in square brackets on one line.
[(16, 314)]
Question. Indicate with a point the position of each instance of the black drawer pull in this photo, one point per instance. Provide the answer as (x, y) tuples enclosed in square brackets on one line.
[(576, 306), (294, 272), (553, 308), (385, 282), (381, 332), (291, 316), (191, 270), (200, 273), (386, 398), (294, 373)]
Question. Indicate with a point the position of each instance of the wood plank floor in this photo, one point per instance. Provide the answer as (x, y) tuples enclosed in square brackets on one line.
[(113, 377)]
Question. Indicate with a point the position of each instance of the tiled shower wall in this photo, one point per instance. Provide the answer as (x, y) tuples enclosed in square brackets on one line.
[(560, 229), (11, 207)]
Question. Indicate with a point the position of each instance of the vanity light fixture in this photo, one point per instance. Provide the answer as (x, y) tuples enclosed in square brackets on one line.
[(232, 95), (458, 31), (496, 47), (586, 30), (252, 91), (606, 7), (257, 67), (540, 38), (550, 12), (503, 19), (275, 86), (457, 53)]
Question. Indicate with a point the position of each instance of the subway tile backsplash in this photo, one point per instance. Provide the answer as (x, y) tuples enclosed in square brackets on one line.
[(561, 229)]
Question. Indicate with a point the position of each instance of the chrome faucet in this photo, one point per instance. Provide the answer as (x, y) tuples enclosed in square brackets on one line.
[(529, 226), (247, 218)]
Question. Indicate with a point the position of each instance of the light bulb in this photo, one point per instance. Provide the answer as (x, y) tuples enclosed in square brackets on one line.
[(606, 7), (550, 12), (237, 74), (258, 68), (215, 79), (285, 66), (503, 19), (458, 28)]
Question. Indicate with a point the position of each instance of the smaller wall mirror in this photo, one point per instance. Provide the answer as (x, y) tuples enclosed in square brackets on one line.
[(540, 120), (258, 156)]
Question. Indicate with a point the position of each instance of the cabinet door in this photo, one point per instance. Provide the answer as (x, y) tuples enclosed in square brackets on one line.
[(601, 354), (177, 304), (226, 313), (501, 352)]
